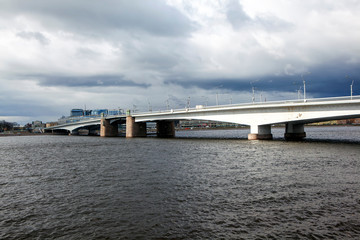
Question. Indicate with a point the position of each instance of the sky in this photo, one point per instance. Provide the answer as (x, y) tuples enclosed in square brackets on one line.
[(157, 54)]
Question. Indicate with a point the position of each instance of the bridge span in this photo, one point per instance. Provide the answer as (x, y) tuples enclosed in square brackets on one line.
[(259, 116)]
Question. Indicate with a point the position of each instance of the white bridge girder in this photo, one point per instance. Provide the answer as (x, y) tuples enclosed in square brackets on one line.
[(76, 125), (264, 114)]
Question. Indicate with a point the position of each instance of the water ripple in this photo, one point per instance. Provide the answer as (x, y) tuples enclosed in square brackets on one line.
[(59, 187)]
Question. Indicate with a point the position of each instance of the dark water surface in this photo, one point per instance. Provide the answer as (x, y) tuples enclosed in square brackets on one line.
[(196, 186)]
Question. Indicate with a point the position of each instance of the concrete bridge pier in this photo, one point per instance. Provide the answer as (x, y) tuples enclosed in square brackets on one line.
[(107, 129), (135, 129), (294, 132), (165, 129), (260, 132)]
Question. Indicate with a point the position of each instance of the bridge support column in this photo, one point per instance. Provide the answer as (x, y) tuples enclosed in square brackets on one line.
[(260, 132), (106, 129), (74, 133), (134, 129), (294, 132), (165, 129)]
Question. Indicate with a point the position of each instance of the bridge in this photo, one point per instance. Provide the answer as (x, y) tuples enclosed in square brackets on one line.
[(259, 116)]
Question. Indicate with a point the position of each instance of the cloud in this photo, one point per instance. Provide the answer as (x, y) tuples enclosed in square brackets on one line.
[(273, 23), (324, 81), (99, 17), (236, 15), (34, 35), (88, 81)]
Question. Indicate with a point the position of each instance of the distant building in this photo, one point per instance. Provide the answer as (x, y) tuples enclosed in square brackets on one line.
[(77, 114), (37, 124), (51, 124), (354, 121)]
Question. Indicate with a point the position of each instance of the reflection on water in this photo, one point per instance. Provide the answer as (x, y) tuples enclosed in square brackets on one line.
[(196, 186), (313, 133)]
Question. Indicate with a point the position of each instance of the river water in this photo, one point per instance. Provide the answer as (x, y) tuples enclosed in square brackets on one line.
[(199, 185)]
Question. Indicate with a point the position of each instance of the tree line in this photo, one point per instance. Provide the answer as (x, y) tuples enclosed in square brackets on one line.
[(6, 126)]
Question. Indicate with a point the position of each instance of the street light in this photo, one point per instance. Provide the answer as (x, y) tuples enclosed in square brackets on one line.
[(149, 106), (253, 90), (205, 100), (253, 94), (167, 104), (351, 87), (299, 93), (217, 94), (304, 86)]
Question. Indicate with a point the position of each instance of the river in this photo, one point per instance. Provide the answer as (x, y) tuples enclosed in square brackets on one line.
[(199, 185)]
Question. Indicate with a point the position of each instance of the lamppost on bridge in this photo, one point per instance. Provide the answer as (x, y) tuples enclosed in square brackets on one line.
[(149, 106), (205, 100), (167, 104), (188, 102), (299, 93), (253, 90), (351, 87), (304, 82), (253, 95), (217, 94)]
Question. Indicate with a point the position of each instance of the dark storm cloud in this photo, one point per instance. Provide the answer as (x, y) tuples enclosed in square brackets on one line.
[(333, 80), (325, 81), (34, 35), (88, 81), (94, 17)]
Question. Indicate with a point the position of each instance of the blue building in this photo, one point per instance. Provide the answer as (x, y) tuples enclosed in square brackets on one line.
[(78, 114)]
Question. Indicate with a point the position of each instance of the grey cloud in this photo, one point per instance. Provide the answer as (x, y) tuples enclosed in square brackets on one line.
[(88, 81), (154, 53), (236, 15), (273, 23), (87, 53), (238, 19), (327, 80), (94, 17), (34, 35), (24, 109)]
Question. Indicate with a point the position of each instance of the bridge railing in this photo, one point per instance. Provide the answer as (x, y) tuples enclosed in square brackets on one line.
[(310, 100)]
